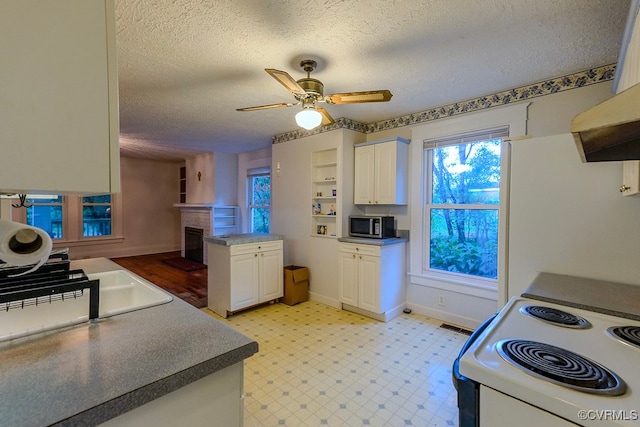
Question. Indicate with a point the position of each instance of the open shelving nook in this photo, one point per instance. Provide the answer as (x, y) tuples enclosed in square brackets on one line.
[(324, 187)]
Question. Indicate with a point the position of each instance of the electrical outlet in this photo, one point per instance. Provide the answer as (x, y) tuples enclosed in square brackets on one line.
[(441, 300)]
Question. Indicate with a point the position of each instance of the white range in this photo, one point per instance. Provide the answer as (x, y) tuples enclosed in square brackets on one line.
[(593, 377)]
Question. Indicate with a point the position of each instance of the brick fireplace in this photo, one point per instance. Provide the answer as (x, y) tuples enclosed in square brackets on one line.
[(195, 216)]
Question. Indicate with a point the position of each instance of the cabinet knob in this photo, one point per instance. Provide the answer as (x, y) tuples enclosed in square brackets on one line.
[(624, 188), (354, 256), (360, 256), (357, 249), (255, 255)]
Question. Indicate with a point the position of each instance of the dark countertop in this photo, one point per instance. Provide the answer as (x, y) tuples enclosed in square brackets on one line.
[(89, 373), (240, 239), (375, 242), (616, 299)]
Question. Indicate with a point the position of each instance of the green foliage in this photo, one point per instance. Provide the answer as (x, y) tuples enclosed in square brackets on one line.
[(464, 240), (260, 202), (448, 254)]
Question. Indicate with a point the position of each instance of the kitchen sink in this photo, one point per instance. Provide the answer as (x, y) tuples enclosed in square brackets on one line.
[(120, 292)]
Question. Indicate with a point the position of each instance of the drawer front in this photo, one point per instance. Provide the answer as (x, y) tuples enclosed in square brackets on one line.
[(357, 248), (250, 248)]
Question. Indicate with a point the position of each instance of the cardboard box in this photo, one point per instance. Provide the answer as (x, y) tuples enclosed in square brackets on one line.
[(296, 284)]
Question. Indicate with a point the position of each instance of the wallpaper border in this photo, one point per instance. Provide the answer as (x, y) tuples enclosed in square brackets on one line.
[(547, 87)]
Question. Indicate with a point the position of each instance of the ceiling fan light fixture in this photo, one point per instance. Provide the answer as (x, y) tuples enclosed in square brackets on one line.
[(308, 118)]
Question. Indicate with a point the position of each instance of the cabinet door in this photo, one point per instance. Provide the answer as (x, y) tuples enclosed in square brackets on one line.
[(630, 178), (245, 281), (348, 278), (385, 173), (369, 283), (271, 286), (59, 123), (364, 170)]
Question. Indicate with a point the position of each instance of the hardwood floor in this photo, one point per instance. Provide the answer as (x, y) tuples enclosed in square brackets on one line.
[(190, 286)]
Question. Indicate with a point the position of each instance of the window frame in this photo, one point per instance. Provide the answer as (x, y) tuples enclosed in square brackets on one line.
[(72, 222), (251, 174), (513, 116), (429, 206)]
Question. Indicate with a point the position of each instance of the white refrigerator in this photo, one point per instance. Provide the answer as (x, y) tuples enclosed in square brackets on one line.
[(568, 217)]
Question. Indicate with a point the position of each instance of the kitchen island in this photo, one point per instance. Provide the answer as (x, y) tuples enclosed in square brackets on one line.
[(123, 366), (244, 270)]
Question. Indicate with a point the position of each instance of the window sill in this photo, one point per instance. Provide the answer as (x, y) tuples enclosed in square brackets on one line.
[(89, 241), (453, 284)]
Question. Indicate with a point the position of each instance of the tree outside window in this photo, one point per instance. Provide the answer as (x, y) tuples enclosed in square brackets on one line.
[(463, 207), (259, 202), (96, 215)]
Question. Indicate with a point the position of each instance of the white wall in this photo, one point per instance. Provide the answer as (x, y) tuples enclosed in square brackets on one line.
[(568, 217), (226, 179), (547, 115), (150, 222), (291, 207), (218, 178)]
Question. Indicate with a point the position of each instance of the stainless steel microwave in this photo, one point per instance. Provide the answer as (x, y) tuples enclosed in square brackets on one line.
[(374, 227)]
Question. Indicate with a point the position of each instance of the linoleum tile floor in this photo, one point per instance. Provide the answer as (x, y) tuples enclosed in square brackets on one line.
[(320, 366)]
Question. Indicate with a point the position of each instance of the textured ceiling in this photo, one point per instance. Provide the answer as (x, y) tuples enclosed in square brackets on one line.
[(186, 65)]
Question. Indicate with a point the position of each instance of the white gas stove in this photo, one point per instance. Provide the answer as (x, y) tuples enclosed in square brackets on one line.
[(575, 392)]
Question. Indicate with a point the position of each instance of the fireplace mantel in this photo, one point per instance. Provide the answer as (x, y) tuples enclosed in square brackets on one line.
[(211, 218)]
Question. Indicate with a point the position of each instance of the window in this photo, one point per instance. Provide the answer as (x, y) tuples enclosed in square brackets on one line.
[(259, 200), (74, 220), (96, 216), (45, 212), (463, 203)]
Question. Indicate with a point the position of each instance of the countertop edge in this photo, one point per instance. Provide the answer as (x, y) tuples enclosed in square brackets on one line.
[(224, 347), (136, 398), (612, 298), (373, 242), (241, 239)]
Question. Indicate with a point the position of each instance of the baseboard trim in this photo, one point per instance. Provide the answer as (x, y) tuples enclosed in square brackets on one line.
[(382, 317), (444, 316), (324, 300)]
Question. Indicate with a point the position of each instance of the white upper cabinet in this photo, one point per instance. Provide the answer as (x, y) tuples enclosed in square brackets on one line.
[(381, 175), (59, 102)]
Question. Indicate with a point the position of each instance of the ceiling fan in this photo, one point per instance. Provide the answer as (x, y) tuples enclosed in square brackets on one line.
[(308, 91)]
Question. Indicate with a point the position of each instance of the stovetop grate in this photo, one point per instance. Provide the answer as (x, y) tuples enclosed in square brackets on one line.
[(561, 366), (626, 334), (555, 316)]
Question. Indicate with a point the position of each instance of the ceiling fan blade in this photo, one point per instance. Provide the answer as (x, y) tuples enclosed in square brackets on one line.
[(286, 80), (266, 107), (359, 97), (326, 117)]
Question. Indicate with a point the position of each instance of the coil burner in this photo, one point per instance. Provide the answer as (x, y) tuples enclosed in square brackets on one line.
[(561, 367), (556, 317), (629, 335)]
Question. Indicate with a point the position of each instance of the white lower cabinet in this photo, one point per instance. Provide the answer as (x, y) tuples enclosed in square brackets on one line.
[(217, 398), (371, 279), (244, 275)]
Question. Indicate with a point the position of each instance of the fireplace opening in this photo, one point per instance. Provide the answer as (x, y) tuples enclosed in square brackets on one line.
[(194, 244)]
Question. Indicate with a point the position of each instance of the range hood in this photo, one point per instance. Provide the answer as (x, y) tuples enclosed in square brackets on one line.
[(610, 131)]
